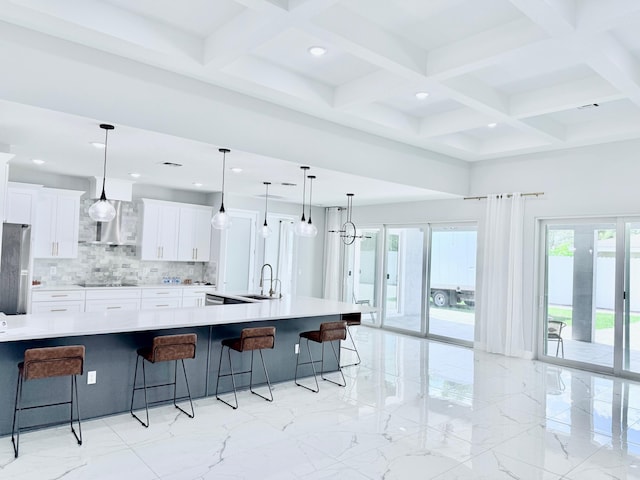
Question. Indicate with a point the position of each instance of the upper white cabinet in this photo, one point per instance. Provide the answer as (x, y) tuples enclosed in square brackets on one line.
[(56, 225), (21, 202), (159, 239), (194, 240)]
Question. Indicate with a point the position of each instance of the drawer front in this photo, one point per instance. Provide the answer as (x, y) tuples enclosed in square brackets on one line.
[(153, 303), (57, 307), (112, 305), (113, 294), (57, 295), (196, 292), (161, 293)]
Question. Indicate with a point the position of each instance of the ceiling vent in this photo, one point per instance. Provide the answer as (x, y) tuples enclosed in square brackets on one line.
[(288, 184), (590, 105), (171, 164)]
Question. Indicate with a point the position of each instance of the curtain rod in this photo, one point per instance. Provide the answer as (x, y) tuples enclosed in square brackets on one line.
[(508, 195)]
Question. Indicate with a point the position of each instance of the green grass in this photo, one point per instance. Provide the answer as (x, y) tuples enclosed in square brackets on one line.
[(603, 319)]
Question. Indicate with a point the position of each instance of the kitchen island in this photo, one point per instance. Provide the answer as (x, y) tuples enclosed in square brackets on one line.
[(112, 338)]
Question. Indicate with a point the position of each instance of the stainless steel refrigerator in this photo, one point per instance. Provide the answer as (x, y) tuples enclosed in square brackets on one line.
[(14, 268)]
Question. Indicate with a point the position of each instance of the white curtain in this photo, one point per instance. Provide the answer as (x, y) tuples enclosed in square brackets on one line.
[(500, 319), (332, 271)]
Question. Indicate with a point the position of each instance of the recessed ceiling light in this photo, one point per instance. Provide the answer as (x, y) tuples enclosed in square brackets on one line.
[(317, 51), (134, 175), (422, 95), (98, 144), (197, 184), (37, 161), (236, 169), (492, 125)]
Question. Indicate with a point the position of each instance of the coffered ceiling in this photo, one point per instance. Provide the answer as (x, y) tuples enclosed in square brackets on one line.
[(503, 77)]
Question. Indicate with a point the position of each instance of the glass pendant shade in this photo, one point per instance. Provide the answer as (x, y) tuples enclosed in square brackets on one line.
[(221, 220), (102, 210), (265, 231)]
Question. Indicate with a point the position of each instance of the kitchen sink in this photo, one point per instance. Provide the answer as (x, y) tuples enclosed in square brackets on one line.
[(256, 296)]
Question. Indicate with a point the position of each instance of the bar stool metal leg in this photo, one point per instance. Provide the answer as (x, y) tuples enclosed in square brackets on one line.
[(353, 348), (311, 361), (175, 387), (74, 388), (144, 387), (16, 417), (227, 375), (344, 382), (265, 374)]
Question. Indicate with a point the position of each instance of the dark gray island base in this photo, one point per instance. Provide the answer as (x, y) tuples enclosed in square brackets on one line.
[(113, 357)]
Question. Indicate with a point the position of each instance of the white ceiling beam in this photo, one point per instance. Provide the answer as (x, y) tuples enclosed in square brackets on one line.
[(259, 23), (461, 142), (361, 38), (513, 143), (616, 64), (483, 98), (599, 16), (387, 116), (453, 121), (481, 50), (610, 130), (267, 74), (91, 22), (375, 86), (240, 35), (556, 17), (563, 96), (555, 131)]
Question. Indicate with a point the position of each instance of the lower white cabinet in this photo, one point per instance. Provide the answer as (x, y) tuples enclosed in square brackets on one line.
[(58, 307), (102, 300), (57, 301)]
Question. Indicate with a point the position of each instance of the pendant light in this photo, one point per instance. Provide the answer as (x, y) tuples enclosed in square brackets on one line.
[(301, 226), (221, 220), (311, 230), (348, 230), (266, 229), (102, 210)]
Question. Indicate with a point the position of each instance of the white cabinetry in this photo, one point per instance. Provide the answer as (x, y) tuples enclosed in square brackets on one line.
[(161, 298), (20, 206), (102, 300), (159, 239), (195, 296), (56, 225), (194, 240), (57, 301)]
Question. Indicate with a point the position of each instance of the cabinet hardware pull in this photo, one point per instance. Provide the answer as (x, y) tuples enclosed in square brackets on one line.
[(162, 305), (58, 310), (53, 249), (60, 295), (112, 308), (162, 293), (196, 254)]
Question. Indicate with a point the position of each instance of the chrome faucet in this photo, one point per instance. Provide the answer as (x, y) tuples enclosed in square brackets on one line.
[(262, 279), (278, 283)]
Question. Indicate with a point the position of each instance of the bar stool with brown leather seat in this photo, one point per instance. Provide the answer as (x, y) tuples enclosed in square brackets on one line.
[(47, 362), (329, 332), (251, 339), (165, 348)]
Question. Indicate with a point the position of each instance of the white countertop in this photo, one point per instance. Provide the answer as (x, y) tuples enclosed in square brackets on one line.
[(38, 326)]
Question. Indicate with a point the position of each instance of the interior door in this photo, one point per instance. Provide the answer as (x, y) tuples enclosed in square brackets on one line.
[(404, 287)]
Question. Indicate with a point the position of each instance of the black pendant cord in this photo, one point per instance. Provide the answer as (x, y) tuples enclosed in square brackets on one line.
[(224, 167), (304, 189), (266, 199), (311, 177), (106, 127)]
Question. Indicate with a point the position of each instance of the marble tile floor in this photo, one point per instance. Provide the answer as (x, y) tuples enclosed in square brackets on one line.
[(414, 409)]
